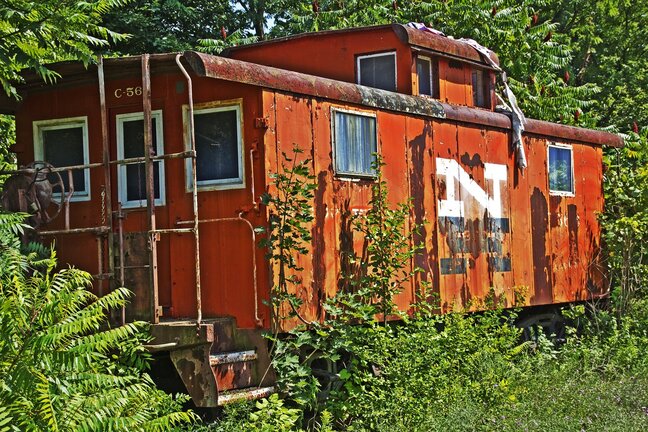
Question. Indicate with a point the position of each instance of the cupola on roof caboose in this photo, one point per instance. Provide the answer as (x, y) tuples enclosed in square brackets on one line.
[(122, 136)]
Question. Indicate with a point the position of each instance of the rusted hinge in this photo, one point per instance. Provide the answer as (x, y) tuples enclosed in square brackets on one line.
[(262, 122)]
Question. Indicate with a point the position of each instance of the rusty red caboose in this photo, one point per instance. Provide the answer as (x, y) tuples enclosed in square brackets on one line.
[(135, 131)]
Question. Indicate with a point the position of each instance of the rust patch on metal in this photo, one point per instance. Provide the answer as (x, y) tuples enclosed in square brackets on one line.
[(555, 211), (319, 246), (417, 192), (572, 227), (346, 247), (196, 374), (541, 261), (472, 162)]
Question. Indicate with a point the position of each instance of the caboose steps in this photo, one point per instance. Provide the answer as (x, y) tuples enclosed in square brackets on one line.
[(232, 357), (217, 362), (245, 394)]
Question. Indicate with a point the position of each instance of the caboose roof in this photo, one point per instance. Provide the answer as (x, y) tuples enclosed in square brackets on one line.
[(222, 68), (418, 39)]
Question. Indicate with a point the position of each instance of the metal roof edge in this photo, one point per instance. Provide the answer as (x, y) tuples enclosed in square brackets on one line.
[(443, 45), (279, 79), (483, 117), (284, 80)]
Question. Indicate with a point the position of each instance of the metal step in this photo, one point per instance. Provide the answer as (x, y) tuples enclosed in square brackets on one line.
[(232, 357), (249, 393)]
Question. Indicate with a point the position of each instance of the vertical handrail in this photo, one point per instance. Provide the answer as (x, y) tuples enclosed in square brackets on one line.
[(150, 186), (120, 217), (192, 142), (105, 147)]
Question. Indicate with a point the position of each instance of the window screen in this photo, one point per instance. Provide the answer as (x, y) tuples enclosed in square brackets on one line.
[(561, 174), (133, 176), (64, 146), (218, 146), (378, 71), (480, 88), (355, 143)]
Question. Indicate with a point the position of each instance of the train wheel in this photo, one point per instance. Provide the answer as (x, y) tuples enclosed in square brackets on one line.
[(550, 324)]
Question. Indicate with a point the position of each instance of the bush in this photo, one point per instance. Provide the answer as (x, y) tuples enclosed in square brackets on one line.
[(62, 367)]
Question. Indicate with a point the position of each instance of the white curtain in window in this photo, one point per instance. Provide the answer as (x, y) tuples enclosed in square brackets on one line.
[(355, 143)]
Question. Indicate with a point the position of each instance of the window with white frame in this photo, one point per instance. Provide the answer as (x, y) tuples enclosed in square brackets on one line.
[(354, 143), (130, 144), (428, 76), (377, 70), (64, 142), (561, 169), (219, 148)]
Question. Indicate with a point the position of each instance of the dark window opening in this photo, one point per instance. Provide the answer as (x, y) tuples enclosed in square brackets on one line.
[(378, 71), (64, 146), (427, 71), (218, 146), (133, 176), (455, 64), (481, 88)]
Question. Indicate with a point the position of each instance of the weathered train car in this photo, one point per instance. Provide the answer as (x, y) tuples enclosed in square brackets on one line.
[(164, 158)]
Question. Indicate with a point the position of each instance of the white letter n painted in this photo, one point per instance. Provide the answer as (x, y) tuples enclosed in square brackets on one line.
[(451, 206)]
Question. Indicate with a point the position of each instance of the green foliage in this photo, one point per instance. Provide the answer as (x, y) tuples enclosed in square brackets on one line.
[(531, 50), (36, 32), (170, 25), (288, 231), (470, 372), (608, 39), (61, 366), (378, 274), (215, 46), (7, 139), (625, 220)]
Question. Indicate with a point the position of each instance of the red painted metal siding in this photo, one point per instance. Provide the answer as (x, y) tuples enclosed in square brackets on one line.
[(332, 55), (505, 255), (226, 247), (511, 242)]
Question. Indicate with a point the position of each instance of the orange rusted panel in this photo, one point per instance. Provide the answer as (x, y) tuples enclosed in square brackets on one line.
[(499, 178), (589, 180), (325, 253), (561, 268), (292, 110), (421, 176), (540, 237), (473, 198), (392, 139), (452, 74), (450, 239), (521, 239)]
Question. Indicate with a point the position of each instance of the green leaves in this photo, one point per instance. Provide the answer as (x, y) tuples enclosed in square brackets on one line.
[(625, 220), (62, 366), (289, 235), (36, 32), (378, 274)]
